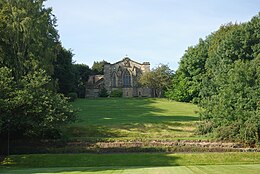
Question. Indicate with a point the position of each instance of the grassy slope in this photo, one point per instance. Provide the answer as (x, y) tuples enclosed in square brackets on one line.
[(133, 119), (133, 163)]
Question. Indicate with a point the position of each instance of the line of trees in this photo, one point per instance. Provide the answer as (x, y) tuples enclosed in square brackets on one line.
[(35, 72), (222, 75)]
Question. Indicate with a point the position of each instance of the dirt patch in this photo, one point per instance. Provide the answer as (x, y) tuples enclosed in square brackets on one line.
[(168, 146), (183, 146)]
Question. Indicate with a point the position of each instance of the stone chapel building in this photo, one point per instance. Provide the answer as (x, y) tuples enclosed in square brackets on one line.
[(122, 75)]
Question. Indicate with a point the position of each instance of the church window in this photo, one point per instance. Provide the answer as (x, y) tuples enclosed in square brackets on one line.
[(127, 79), (114, 80)]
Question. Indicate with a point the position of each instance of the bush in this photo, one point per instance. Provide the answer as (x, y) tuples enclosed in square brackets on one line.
[(72, 96), (28, 109), (116, 93), (103, 92)]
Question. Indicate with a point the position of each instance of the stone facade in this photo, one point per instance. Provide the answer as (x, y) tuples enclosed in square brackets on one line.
[(122, 75), (94, 85)]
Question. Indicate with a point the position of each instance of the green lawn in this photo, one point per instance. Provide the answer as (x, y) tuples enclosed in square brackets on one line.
[(133, 119), (133, 163), (208, 169)]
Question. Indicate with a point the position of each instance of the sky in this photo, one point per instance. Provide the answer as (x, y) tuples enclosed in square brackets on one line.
[(155, 31)]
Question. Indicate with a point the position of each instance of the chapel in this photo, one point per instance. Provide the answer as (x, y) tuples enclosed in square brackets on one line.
[(123, 75)]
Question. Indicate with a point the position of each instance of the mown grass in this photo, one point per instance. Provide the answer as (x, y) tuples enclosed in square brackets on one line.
[(208, 169), (130, 159), (133, 119), (137, 163)]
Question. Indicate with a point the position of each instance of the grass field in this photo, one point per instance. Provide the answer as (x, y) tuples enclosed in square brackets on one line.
[(133, 163), (208, 169), (133, 119)]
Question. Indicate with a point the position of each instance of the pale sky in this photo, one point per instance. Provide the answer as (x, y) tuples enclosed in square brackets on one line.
[(155, 31)]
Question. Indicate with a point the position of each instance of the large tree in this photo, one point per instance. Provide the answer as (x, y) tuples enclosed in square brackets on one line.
[(81, 74), (28, 38), (64, 71), (28, 48), (98, 67), (221, 73), (29, 109), (230, 90), (158, 79), (186, 81)]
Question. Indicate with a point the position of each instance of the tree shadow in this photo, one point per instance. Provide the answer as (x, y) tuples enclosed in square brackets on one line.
[(91, 163), (123, 111), (99, 118)]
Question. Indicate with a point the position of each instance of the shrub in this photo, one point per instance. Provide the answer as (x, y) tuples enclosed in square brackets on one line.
[(103, 92), (116, 93), (29, 109), (72, 96)]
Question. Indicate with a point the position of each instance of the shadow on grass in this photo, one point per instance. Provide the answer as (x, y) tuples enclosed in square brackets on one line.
[(101, 119), (84, 162), (124, 111)]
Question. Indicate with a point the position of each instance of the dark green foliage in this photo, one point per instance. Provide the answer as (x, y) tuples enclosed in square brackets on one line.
[(186, 82), (29, 47), (28, 38), (63, 71), (29, 108), (158, 79), (72, 96), (116, 93), (103, 92), (230, 93), (222, 75), (81, 74)]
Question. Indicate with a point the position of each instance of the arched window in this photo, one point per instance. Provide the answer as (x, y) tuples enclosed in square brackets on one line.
[(114, 80), (126, 79)]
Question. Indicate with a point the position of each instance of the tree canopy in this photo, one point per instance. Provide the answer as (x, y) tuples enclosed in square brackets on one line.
[(221, 74), (28, 37), (158, 79), (29, 55), (98, 67)]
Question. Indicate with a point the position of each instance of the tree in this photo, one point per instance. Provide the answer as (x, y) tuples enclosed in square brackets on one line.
[(63, 71), (222, 74), (28, 48), (29, 109), (158, 79), (28, 38), (186, 82), (230, 89), (81, 74), (98, 67)]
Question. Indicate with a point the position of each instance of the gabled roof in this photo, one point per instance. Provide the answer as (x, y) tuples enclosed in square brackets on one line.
[(127, 58)]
